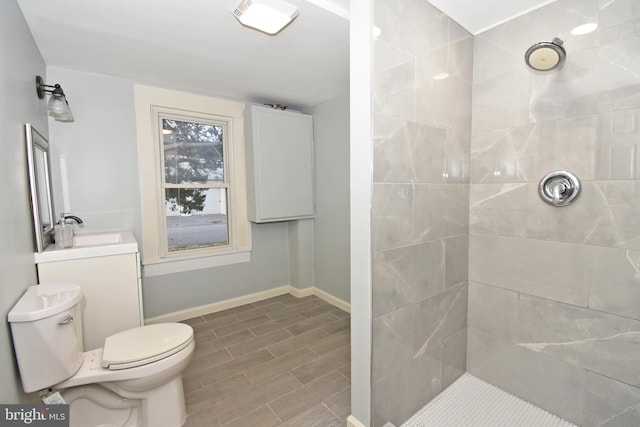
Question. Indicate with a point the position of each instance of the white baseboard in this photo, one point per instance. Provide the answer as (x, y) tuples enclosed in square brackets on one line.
[(202, 310), (301, 293), (353, 422), (335, 301)]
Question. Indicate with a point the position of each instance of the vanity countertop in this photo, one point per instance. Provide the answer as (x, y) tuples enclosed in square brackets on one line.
[(91, 245)]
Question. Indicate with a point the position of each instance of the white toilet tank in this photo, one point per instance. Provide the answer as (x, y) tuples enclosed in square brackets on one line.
[(46, 327)]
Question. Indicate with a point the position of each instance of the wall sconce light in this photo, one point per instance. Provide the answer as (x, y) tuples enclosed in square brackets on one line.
[(268, 16), (58, 106)]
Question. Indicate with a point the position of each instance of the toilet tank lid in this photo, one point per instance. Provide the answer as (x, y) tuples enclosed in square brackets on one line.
[(44, 300)]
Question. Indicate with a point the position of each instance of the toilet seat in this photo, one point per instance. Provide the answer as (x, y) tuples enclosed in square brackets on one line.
[(144, 345)]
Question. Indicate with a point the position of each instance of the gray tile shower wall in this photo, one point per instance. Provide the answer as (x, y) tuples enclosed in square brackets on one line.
[(554, 293), (422, 130)]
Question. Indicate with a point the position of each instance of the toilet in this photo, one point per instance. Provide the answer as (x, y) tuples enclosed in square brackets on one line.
[(135, 380)]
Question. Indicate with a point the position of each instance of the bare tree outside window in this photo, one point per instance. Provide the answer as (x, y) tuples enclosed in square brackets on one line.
[(195, 184)]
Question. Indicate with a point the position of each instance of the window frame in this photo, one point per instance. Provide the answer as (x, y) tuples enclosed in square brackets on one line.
[(151, 105), (161, 113)]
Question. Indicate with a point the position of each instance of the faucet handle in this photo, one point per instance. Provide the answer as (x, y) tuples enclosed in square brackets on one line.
[(72, 217)]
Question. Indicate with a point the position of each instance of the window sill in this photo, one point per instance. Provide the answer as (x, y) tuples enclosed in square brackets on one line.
[(180, 265)]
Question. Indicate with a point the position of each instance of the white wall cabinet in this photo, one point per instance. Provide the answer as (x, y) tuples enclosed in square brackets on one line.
[(280, 165), (112, 293)]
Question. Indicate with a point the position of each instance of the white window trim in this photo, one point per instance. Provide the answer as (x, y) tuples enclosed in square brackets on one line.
[(147, 101)]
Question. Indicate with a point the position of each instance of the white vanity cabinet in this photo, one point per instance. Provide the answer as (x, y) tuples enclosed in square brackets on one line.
[(111, 284), (280, 164)]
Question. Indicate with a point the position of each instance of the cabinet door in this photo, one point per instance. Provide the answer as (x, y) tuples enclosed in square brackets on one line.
[(281, 147), (110, 288)]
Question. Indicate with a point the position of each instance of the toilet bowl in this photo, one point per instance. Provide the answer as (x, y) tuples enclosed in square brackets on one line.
[(135, 380)]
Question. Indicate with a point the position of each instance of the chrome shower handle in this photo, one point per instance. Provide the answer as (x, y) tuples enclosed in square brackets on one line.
[(559, 188)]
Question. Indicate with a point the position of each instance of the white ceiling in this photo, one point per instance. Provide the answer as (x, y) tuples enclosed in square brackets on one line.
[(480, 15), (197, 45)]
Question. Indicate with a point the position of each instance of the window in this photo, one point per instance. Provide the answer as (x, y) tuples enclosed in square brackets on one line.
[(192, 181)]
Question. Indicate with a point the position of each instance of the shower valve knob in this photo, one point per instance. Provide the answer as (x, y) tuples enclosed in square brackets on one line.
[(559, 188)]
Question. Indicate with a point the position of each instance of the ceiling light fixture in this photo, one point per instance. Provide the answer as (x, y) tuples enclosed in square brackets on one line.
[(58, 106), (268, 16)]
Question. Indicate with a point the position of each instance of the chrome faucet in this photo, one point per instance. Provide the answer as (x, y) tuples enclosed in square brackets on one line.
[(72, 217)]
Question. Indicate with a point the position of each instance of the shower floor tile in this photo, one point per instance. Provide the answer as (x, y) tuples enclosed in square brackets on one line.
[(471, 402)]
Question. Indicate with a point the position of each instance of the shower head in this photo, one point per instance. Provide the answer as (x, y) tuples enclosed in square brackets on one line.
[(546, 56)]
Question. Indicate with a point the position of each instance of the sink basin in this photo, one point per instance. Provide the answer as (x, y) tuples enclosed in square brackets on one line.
[(96, 239), (91, 245)]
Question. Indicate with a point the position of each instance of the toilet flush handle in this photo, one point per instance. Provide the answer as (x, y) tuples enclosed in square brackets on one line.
[(67, 320)]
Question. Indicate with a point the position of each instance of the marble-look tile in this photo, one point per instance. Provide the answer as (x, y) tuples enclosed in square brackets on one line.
[(445, 102), (413, 153), (408, 274), (422, 328), (393, 90), (493, 311), (460, 52), (549, 383), (498, 209), (391, 350), (456, 263), (412, 213), (439, 317), (592, 81), (454, 357), (457, 160), (609, 403), (440, 210), (554, 20), (556, 271), (614, 281), (493, 59), (422, 131), (618, 155), (387, 57), (501, 102), (456, 57), (392, 215), (597, 341), (396, 397), (527, 153), (415, 25), (618, 20), (510, 154), (569, 144), (606, 213)]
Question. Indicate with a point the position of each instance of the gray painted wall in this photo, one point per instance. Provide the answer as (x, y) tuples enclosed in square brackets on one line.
[(102, 173), (21, 62), (103, 140), (554, 294), (421, 132), (331, 223)]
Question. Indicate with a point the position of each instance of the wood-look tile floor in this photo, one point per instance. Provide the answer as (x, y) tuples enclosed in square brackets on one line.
[(284, 361)]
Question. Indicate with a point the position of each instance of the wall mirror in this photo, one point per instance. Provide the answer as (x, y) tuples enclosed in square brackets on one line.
[(40, 185)]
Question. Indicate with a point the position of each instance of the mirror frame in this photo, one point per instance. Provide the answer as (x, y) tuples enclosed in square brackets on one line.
[(40, 186)]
